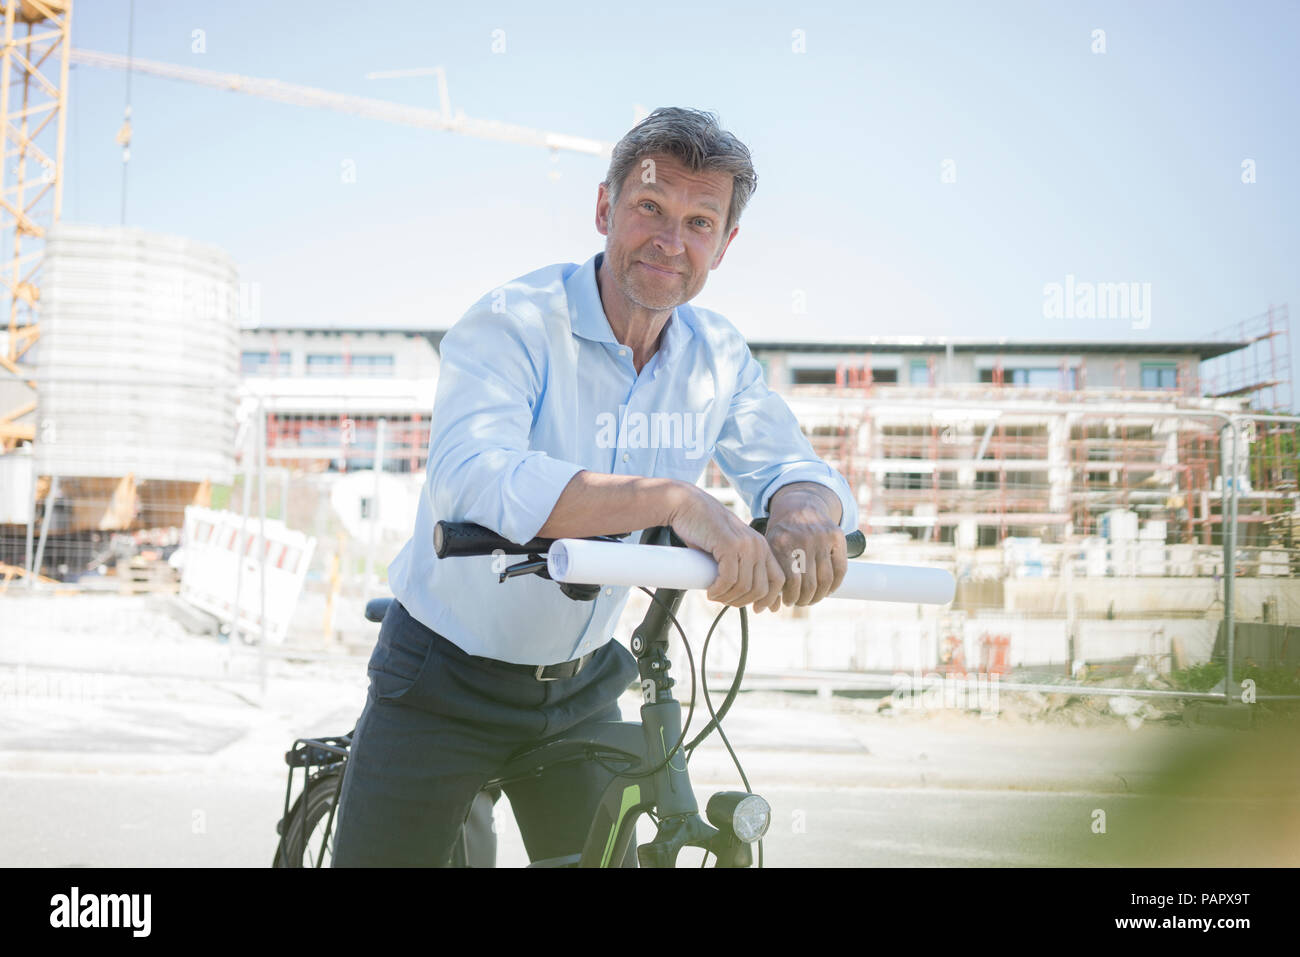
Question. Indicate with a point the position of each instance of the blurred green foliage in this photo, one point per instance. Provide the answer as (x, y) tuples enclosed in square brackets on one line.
[(1205, 676)]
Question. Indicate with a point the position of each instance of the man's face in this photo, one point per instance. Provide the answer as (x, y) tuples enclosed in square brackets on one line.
[(663, 236)]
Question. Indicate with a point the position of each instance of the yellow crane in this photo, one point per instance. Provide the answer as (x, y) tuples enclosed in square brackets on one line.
[(33, 118)]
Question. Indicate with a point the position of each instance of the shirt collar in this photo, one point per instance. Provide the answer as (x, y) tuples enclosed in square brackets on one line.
[(587, 315)]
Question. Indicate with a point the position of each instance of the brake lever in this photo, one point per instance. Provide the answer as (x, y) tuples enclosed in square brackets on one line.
[(536, 565)]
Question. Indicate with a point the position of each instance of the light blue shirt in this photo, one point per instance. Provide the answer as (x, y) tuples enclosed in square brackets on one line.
[(534, 388)]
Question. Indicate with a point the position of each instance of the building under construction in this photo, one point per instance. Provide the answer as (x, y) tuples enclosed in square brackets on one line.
[(967, 442), (971, 442)]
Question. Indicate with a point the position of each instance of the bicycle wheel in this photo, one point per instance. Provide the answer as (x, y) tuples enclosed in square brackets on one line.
[(317, 850), (303, 841)]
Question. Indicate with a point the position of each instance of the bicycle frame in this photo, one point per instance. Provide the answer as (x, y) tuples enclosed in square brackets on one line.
[(667, 793)]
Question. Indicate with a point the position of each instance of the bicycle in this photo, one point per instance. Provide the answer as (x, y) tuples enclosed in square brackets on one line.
[(647, 780)]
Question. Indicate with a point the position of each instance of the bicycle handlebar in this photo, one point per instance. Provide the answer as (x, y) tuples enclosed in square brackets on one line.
[(462, 539), (459, 539), (603, 560)]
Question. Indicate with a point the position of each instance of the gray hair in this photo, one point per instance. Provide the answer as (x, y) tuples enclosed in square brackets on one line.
[(696, 139)]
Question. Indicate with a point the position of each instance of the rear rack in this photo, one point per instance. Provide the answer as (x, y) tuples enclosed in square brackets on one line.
[(318, 752), (312, 754)]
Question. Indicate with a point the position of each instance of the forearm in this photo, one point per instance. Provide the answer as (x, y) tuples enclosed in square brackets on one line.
[(595, 503), (798, 495)]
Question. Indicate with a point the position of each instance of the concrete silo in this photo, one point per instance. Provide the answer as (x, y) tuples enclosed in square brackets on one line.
[(137, 368)]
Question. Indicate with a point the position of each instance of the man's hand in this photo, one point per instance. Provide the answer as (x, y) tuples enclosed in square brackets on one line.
[(747, 570), (804, 534)]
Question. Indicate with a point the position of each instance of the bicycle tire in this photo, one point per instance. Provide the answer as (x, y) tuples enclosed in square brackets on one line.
[(293, 851), (301, 840)]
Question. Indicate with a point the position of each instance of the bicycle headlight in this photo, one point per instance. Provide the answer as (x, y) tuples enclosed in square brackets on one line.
[(747, 816)]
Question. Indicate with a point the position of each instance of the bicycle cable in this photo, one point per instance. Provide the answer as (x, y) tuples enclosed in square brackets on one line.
[(735, 684), (716, 718), (690, 713)]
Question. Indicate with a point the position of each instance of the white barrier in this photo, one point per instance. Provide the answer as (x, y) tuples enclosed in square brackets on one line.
[(211, 556)]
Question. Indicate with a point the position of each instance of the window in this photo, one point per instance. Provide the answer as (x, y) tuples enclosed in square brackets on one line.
[(371, 365), (1159, 375), (904, 481), (825, 376), (813, 377), (919, 372), (330, 364), (1035, 377), (265, 363)]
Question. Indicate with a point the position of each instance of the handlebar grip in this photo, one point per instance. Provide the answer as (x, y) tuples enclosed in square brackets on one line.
[(458, 539), (856, 541)]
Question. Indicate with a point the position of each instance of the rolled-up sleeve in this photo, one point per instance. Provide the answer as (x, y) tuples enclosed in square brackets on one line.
[(481, 468), (761, 447)]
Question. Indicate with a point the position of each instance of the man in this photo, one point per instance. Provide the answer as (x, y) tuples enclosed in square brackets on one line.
[(577, 401)]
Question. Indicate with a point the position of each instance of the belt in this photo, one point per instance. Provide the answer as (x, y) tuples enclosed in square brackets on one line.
[(565, 669)]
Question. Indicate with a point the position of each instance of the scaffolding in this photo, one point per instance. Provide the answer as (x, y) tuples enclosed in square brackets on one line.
[(1259, 371), (984, 470)]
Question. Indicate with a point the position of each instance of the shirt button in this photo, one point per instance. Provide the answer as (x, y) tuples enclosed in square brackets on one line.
[(624, 456), (609, 591), (622, 352)]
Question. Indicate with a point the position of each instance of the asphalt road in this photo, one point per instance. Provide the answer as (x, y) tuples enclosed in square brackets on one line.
[(183, 820), (189, 773)]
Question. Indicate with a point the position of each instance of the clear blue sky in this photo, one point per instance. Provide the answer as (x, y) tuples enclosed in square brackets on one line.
[(1123, 166)]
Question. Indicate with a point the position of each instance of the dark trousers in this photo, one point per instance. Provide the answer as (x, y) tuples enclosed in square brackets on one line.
[(439, 723)]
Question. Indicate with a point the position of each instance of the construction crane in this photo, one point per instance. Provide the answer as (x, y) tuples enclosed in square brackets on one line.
[(366, 106), (48, 32), (33, 118)]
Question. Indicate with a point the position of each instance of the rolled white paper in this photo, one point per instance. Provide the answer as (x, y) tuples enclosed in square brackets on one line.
[(660, 566)]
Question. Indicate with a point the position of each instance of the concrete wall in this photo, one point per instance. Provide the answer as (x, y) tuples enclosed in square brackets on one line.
[(883, 638), (1101, 371), (1151, 596), (413, 356)]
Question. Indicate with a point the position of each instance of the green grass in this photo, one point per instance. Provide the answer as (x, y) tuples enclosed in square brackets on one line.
[(221, 496), (380, 568), (1267, 680), (231, 498)]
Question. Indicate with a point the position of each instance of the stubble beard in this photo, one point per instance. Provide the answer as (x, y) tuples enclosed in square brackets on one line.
[(637, 290)]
